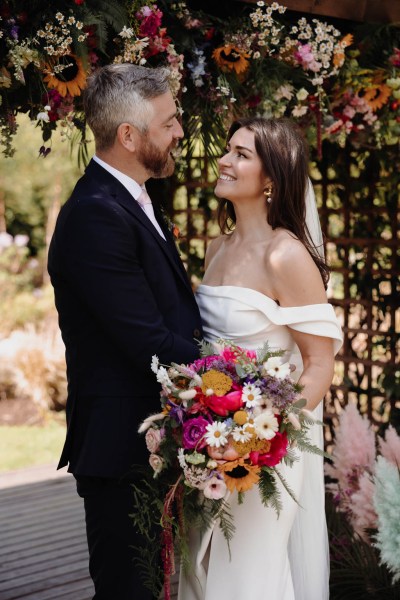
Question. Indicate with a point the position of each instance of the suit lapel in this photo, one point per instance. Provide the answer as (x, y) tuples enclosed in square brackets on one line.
[(124, 198)]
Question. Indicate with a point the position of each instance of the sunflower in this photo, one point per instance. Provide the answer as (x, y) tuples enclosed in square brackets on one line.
[(70, 80), (239, 475), (231, 58), (377, 95)]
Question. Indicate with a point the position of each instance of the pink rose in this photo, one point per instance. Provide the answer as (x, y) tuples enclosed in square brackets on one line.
[(156, 463), (277, 451), (153, 439)]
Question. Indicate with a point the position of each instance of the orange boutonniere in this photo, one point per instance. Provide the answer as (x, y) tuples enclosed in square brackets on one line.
[(175, 232), (173, 229)]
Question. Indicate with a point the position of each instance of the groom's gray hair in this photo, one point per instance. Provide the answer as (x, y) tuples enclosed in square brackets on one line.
[(120, 93)]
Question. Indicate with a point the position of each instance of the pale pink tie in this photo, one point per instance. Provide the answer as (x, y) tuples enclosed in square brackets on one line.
[(145, 203)]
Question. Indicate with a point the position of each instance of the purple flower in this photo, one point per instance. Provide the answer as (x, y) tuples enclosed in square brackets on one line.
[(281, 392), (14, 32), (216, 362), (193, 433), (176, 412)]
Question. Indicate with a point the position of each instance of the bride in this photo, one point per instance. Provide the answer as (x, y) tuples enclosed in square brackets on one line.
[(265, 280)]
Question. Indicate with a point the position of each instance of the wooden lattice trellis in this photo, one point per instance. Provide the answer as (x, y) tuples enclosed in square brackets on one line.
[(358, 197)]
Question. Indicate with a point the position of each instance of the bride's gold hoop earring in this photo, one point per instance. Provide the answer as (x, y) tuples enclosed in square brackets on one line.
[(268, 194)]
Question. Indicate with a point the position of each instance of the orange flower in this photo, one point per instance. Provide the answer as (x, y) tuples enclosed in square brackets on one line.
[(71, 80), (231, 58), (338, 57), (239, 475), (377, 94)]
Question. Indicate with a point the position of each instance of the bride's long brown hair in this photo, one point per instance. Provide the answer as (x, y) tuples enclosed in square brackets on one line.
[(284, 156)]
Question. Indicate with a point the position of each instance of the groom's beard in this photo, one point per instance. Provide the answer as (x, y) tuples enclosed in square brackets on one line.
[(157, 162)]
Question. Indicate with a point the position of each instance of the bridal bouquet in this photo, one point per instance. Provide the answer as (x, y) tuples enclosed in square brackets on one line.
[(227, 421)]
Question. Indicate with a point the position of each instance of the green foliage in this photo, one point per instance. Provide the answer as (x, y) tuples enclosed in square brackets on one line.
[(146, 512), (270, 495), (31, 185)]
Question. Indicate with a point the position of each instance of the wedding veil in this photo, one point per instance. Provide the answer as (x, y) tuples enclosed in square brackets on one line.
[(308, 543), (314, 231)]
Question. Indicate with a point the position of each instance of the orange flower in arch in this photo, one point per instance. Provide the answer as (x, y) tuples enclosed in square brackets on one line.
[(239, 475), (70, 80), (377, 94), (338, 57), (231, 58)]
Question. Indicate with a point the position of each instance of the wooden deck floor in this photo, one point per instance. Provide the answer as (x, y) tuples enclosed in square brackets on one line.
[(43, 552)]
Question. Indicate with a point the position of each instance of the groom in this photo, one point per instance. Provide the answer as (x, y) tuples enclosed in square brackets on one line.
[(122, 295)]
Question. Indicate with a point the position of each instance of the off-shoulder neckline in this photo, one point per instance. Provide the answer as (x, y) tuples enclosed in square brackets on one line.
[(256, 292)]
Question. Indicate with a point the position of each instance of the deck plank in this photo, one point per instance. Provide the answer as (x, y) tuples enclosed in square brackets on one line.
[(43, 549)]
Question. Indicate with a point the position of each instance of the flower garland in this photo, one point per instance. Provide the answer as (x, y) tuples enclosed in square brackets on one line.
[(260, 60)]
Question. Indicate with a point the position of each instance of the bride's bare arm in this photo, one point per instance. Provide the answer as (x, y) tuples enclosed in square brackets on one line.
[(297, 282)]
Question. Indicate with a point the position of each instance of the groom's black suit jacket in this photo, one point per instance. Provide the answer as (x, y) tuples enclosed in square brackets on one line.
[(122, 295)]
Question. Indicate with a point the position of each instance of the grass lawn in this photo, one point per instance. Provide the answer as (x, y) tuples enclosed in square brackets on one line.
[(28, 445)]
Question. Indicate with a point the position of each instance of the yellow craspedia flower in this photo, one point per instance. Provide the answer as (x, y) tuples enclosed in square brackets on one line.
[(218, 382), (240, 417)]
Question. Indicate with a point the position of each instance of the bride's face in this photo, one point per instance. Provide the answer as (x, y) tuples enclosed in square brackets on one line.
[(241, 173)]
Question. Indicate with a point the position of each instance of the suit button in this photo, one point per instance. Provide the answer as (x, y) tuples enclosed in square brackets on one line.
[(196, 332)]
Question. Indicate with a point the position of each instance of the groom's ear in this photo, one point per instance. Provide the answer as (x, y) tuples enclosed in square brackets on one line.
[(127, 136)]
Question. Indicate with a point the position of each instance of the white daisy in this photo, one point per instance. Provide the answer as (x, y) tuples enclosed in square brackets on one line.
[(251, 395), (216, 435), (263, 404), (266, 425), (240, 434), (275, 368)]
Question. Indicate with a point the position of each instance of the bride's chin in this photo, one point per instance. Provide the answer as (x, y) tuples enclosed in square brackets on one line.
[(218, 192)]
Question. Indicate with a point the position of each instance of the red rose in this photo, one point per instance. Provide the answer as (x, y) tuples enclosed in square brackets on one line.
[(277, 451), (223, 405)]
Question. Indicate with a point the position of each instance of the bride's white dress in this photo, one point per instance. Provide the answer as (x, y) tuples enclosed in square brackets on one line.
[(271, 558)]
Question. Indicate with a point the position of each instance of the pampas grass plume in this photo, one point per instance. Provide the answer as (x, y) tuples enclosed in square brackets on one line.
[(362, 512), (390, 446), (387, 506), (354, 448)]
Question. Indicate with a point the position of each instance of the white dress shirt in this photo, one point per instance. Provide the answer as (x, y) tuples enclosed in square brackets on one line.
[(134, 189)]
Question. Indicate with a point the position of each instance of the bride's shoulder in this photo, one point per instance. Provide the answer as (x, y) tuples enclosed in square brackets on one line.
[(294, 275), (213, 248), (285, 247), (289, 255)]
